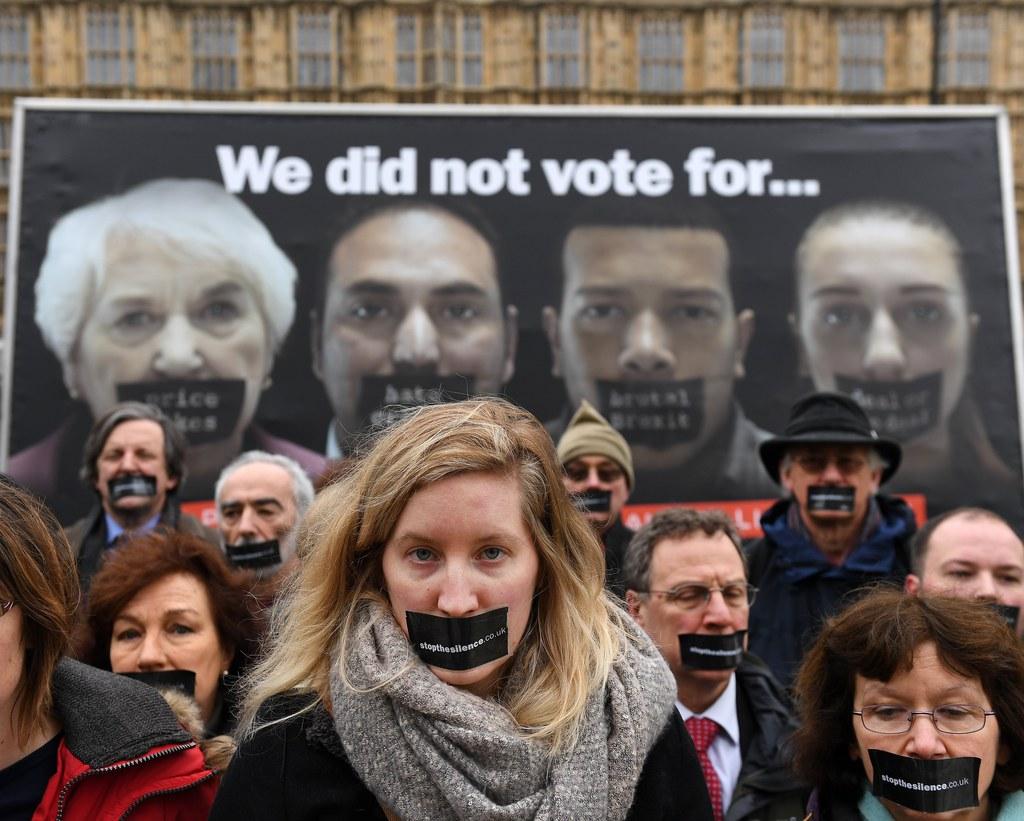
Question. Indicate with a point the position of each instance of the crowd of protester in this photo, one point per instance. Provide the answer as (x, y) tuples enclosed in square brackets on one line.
[(458, 624)]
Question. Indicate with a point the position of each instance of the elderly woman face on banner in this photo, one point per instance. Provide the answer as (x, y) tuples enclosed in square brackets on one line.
[(882, 315), (173, 294)]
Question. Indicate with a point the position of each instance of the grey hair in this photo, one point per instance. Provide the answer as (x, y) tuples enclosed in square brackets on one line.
[(186, 217), (674, 523), (174, 441), (302, 487)]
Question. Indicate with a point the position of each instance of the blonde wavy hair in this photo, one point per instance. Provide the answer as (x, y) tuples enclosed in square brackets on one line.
[(575, 632)]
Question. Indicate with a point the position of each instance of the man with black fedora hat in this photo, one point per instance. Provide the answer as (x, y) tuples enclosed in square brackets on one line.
[(833, 534)]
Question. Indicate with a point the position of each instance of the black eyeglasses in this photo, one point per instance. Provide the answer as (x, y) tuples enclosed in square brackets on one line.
[(606, 473), (954, 719), (693, 596), (815, 463)]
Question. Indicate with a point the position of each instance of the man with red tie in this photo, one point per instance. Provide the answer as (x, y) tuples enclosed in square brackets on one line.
[(686, 586)]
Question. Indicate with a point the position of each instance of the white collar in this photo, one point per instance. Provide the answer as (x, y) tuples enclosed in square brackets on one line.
[(723, 712)]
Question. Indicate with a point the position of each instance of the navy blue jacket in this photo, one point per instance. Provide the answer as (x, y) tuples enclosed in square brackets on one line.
[(799, 588)]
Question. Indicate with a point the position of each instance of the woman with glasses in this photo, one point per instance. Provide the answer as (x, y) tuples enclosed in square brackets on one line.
[(76, 743), (913, 708), (446, 649)]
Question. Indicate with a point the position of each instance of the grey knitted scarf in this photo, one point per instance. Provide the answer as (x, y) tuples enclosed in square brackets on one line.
[(431, 751)]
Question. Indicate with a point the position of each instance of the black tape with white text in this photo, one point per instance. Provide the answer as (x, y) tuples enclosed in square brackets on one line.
[(459, 643)]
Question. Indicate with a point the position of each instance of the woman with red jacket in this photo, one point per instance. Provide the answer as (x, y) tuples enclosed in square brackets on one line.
[(77, 744)]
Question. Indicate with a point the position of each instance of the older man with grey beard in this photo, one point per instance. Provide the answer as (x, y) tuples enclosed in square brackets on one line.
[(261, 499)]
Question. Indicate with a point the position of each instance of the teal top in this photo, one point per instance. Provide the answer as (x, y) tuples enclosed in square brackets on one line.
[(1011, 809)]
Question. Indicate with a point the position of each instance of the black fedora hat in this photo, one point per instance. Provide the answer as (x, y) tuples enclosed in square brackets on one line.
[(828, 419)]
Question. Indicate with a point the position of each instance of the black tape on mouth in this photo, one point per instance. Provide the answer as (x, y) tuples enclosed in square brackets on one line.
[(204, 410), (183, 680), (926, 785), (897, 410), (136, 485), (593, 501), (254, 554), (1008, 613), (382, 398), (712, 652), (830, 497), (655, 414), (459, 643)]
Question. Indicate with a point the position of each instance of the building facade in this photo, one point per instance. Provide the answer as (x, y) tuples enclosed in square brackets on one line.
[(621, 52)]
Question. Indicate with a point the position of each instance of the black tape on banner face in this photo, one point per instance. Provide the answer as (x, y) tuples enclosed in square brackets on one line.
[(382, 398), (135, 485), (459, 644), (204, 410), (655, 414), (715, 652), (926, 785), (1008, 613), (183, 680), (593, 501), (830, 497), (254, 554), (897, 410)]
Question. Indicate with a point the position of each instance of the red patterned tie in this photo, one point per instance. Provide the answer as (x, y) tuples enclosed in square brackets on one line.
[(703, 732)]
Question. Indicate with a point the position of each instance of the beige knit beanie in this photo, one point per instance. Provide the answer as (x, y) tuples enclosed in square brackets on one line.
[(589, 434)]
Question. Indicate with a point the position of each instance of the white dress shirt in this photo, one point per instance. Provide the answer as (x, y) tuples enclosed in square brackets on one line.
[(724, 752)]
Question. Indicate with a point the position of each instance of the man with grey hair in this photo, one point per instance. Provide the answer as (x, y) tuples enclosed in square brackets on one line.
[(261, 499), (172, 293), (686, 586), (134, 461), (833, 534)]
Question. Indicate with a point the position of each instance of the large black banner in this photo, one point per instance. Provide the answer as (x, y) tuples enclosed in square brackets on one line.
[(276, 277)]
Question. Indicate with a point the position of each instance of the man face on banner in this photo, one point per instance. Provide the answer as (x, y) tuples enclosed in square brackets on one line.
[(645, 306), (880, 304), (411, 291)]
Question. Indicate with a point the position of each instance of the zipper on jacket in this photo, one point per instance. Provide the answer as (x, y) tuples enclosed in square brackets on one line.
[(160, 793), (121, 765)]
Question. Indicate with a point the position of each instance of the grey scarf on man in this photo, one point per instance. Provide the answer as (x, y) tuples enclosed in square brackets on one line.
[(431, 751)]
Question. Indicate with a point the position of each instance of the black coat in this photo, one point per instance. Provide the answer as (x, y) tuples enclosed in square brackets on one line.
[(297, 771), (767, 790)]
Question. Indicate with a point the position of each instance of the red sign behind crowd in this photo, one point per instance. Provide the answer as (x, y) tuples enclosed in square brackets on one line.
[(745, 514)]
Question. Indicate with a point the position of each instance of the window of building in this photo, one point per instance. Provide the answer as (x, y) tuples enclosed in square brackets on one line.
[(861, 54), (14, 49), (405, 50), (660, 52), (472, 50), (964, 42), (763, 49), (214, 51), (563, 50), (315, 49), (427, 49), (109, 46), (437, 50)]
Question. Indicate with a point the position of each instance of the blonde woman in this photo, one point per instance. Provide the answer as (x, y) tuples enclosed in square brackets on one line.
[(447, 649)]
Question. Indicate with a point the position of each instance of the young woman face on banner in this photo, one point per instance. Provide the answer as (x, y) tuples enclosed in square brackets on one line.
[(880, 303)]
